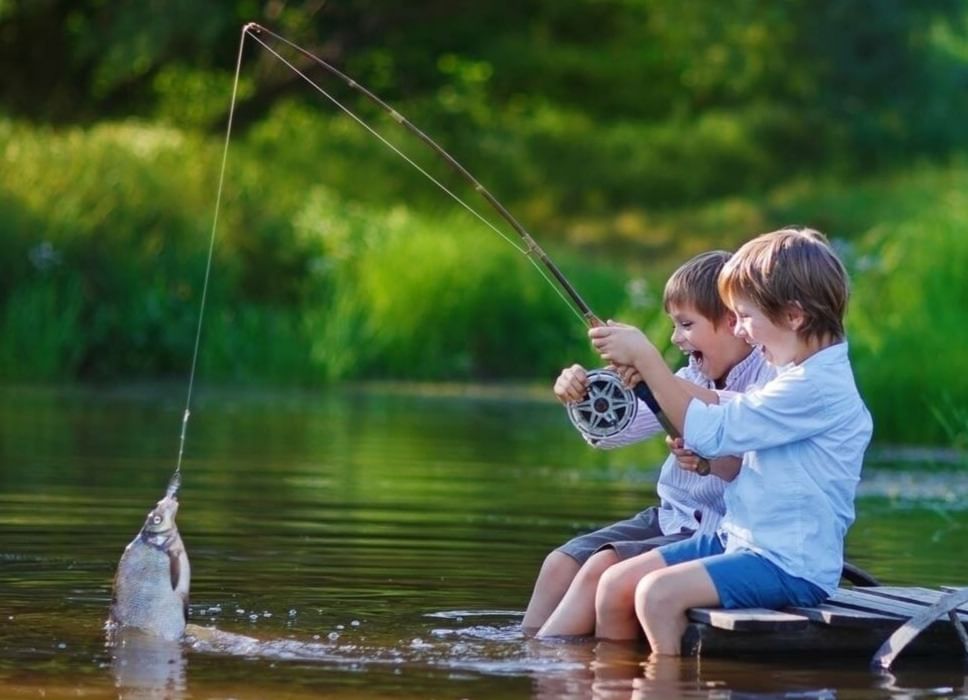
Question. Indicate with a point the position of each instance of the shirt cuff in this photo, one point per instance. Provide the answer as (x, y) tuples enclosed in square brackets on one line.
[(700, 427)]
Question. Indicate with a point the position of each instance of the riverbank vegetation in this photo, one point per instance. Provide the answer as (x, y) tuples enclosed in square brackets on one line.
[(669, 132)]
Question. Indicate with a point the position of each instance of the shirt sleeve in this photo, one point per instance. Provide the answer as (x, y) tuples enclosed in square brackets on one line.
[(786, 410)]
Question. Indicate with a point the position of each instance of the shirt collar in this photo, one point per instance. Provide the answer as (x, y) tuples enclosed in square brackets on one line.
[(829, 355)]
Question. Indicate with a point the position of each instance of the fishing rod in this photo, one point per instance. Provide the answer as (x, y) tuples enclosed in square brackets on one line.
[(609, 406)]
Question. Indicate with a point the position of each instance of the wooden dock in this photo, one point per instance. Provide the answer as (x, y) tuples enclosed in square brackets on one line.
[(879, 622)]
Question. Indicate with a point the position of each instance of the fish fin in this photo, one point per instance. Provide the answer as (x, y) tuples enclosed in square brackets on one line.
[(174, 568), (181, 569)]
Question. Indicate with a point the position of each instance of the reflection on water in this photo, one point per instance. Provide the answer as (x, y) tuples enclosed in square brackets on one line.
[(146, 667), (365, 543)]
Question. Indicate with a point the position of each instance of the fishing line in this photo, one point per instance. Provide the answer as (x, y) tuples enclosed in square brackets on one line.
[(208, 263)]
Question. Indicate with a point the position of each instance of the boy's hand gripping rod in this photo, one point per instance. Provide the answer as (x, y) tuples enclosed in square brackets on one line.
[(602, 408)]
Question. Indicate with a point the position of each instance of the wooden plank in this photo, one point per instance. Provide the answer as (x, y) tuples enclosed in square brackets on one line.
[(837, 616), (917, 594), (748, 619), (861, 600)]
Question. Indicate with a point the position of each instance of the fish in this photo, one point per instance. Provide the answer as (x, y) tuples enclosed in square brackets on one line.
[(148, 626), (153, 578)]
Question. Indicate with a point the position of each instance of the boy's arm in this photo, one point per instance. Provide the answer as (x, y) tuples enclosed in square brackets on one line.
[(699, 392), (622, 344)]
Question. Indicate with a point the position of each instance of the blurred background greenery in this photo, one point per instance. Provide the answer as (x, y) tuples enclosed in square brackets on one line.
[(625, 134)]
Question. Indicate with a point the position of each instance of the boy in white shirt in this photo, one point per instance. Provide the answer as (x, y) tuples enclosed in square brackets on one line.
[(802, 437), (688, 503)]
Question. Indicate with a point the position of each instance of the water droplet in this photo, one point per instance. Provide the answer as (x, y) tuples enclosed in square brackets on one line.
[(333, 636)]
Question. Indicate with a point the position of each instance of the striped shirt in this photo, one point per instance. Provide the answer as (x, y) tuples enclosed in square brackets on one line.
[(689, 502)]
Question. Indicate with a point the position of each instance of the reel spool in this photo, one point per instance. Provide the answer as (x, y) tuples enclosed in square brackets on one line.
[(608, 408)]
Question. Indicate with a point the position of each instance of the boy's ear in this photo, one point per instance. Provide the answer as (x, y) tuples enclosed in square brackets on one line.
[(795, 315), (730, 319)]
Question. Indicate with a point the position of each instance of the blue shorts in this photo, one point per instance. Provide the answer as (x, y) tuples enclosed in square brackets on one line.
[(744, 579)]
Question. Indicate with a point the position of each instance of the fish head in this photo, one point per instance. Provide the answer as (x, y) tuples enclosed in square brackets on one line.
[(161, 518)]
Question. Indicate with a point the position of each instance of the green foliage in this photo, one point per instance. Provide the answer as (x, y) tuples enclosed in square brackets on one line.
[(93, 218), (908, 312), (710, 98), (629, 135), (113, 261), (105, 235), (42, 331)]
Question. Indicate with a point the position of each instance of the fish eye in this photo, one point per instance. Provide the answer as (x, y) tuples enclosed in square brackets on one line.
[(156, 519)]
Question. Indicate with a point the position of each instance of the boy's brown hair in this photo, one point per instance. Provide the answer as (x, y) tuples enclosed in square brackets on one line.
[(791, 266), (694, 284)]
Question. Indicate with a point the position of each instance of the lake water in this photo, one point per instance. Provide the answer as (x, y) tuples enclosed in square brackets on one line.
[(383, 541)]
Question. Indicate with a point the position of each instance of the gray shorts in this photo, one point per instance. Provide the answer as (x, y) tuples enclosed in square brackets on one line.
[(636, 535)]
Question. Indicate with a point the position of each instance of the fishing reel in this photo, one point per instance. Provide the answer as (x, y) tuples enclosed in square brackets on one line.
[(607, 409)]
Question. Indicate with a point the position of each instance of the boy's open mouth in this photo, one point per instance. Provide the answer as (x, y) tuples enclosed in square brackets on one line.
[(697, 356)]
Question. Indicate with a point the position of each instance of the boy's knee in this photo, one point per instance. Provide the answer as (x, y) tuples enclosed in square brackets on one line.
[(613, 592), (655, 593), (558, 564), (599, 563)]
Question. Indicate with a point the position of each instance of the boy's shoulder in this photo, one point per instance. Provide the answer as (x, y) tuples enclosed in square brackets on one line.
[(826, 375)]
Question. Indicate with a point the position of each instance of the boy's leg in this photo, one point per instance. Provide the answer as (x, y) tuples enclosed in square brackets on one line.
[(614, 598), (562, 565), (662, 598), (575, 614), (615, 602), (741, 579), (557, 573)]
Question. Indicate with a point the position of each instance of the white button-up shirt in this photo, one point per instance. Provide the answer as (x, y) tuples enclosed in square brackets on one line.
[(802, 437), (689, 502)]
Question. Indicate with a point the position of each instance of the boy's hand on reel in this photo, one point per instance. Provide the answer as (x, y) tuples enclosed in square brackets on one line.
[(629, 375), (572, 384)]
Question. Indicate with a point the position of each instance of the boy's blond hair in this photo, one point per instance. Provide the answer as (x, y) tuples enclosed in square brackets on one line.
[(694, 284), (792, 266)]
